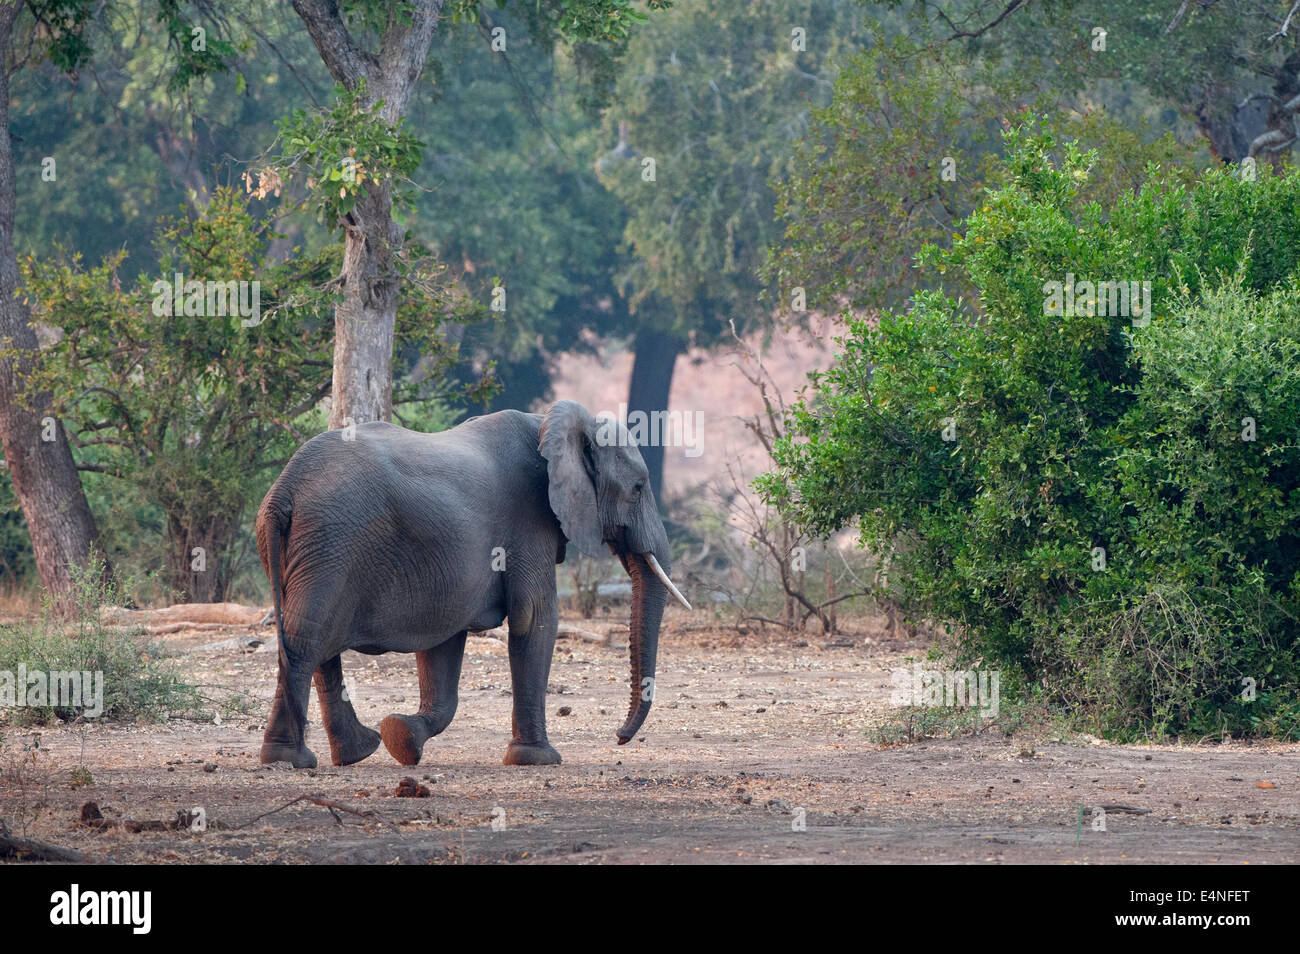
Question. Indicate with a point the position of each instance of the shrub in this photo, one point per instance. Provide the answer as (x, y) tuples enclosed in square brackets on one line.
[(138, 680), (1077, 493)]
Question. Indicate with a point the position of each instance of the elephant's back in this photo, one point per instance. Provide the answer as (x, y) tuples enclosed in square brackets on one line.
[(380, 522), (387, 490), (380, 475)]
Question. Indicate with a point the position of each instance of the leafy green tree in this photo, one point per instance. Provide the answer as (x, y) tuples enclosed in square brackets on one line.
[(516, 203), (710, 103), (1229, 69), (37, 456), (905, 151), (195, 399), (375, 51)]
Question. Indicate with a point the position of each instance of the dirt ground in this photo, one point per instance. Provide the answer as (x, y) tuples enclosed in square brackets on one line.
[(751, 736)]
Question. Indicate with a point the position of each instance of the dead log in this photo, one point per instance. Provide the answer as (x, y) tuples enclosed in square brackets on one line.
[(29, 849)]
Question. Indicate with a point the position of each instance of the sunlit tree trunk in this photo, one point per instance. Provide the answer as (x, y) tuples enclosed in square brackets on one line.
[(364, 320)]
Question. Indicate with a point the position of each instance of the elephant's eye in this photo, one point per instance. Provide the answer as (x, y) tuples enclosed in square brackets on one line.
[(639, 486)]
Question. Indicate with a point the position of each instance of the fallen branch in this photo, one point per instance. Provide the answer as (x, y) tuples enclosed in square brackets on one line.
[(167, 628), (563, 629), (29, 849), (333, 806)]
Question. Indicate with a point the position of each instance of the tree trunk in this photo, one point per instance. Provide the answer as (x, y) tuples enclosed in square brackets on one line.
[(44, 474), (830, 621), (364, 319), (200, 577), (1261, 127), (652, 380)]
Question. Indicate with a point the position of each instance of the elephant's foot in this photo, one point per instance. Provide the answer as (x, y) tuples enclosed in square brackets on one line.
[(404, 737), (356, 744), (297, 756), (521, 753)]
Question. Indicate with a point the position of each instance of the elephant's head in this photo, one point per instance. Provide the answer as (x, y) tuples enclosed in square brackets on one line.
[(600, 491)]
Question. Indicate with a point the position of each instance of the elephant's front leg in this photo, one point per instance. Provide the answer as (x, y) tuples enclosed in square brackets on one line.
[(532, 643), (350, 741), (439, 667)]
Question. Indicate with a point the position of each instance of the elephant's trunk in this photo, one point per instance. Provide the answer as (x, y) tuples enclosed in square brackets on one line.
[(648, 597)]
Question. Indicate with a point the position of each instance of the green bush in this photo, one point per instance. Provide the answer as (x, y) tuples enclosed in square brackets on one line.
[(1096, 521)]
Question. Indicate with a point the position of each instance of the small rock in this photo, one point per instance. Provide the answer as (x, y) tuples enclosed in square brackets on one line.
[(1265, 785), (410, 788), (564, 710), (209, 767)]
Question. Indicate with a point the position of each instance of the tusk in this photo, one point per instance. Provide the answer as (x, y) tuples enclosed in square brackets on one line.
[(663, 578)]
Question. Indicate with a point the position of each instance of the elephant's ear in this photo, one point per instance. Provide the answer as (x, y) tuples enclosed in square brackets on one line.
[(566, 443)]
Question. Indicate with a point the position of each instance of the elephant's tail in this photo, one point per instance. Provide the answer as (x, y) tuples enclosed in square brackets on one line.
[(277, 536), (273, 522)]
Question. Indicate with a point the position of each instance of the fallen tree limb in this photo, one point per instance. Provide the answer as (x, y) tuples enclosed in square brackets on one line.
[(226, 614), (29, 849), (563, 629), (1124, 810), (333, 806)]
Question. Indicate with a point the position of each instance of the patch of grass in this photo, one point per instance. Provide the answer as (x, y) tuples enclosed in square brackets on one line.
[(918, 723), (138, 681)]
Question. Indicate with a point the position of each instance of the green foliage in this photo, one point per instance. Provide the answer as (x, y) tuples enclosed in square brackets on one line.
[(717, 95), (519, 203), (196, 403), (339, 150), (1077, 433), (196, 50), (61, 33), (607, 21), (187, 400), (905, 151), (17, 562), (868, 184)]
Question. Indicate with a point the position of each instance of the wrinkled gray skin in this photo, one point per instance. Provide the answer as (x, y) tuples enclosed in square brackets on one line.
[(387, 543)]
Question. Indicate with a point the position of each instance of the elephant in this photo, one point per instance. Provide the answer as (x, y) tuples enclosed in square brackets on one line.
[(380, 539)]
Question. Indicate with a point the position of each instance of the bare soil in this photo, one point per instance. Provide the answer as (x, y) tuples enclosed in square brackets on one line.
[(751, 735)]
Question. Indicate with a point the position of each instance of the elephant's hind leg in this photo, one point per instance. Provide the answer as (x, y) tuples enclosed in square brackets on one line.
[(350, 741), (404, 736), (286, 730)]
